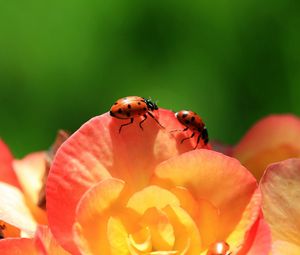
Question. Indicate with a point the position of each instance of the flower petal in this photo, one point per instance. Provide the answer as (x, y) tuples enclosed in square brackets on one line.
[(268, 141), (187, 236), (151, 196), (280, 247), (162, 232), (17, 246), (93, 212), (219, 179), (30, 171), (7, 173), (98, 151), (280, 187), (46, 244), (14, 210), (258, 239)]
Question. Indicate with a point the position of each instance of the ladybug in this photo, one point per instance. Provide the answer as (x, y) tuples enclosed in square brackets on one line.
[(219, 248), (131, 107), (193, 122)]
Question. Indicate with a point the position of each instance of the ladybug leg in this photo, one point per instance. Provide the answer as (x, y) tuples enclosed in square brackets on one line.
[(177, 130), (198, 140), (140, 124), (187, 138), (131, 120), (152, 116)]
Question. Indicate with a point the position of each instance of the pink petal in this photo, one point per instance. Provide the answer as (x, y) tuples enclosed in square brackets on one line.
[(18, 246), (280, 187), (97, 151), (258, 240), (7, 173), (272, 139)]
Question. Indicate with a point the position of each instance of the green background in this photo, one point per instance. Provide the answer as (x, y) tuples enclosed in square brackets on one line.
[(62, 62)]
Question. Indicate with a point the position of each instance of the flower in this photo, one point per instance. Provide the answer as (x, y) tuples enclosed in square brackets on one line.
[(22, 182), (143, 192), (19, 179), (280, 186), (272, 139)]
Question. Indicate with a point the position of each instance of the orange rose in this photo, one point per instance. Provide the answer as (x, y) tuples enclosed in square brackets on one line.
[(143, 192)]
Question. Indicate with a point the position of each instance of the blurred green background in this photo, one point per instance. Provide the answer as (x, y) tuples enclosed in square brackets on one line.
[(62, 62)]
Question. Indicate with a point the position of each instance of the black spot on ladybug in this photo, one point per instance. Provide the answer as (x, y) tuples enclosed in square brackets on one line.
[(120, 110), (111, 113), (145, 109), (187, 122), (139, 103), (193, 119), (184, 115), (115, 103), (129, 106), (128, 114)]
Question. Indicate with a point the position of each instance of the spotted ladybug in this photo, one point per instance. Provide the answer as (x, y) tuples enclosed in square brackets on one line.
[(219, 248), (193, 122), (131, 107)]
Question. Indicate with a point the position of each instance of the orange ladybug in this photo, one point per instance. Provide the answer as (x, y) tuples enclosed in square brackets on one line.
[(193, 122), (219, 248), (131, 107)]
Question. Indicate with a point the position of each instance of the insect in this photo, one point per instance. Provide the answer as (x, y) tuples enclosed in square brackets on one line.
[(131, 107), (219, 248), (193, 122)]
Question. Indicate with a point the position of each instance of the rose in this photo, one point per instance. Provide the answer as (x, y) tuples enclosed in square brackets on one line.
[(111, 193)]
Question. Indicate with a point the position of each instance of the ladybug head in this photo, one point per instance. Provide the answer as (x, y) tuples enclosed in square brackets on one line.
[(204, 135), (151, 106)]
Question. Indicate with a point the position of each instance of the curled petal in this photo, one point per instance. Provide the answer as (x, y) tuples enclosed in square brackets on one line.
[(272, 139), (151, 196), (93, 212), (280, 187), (258, 239), (223, 181)]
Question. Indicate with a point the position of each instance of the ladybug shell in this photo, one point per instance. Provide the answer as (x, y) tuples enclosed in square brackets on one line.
[(219, 248), (191, 120), (129, 107)]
